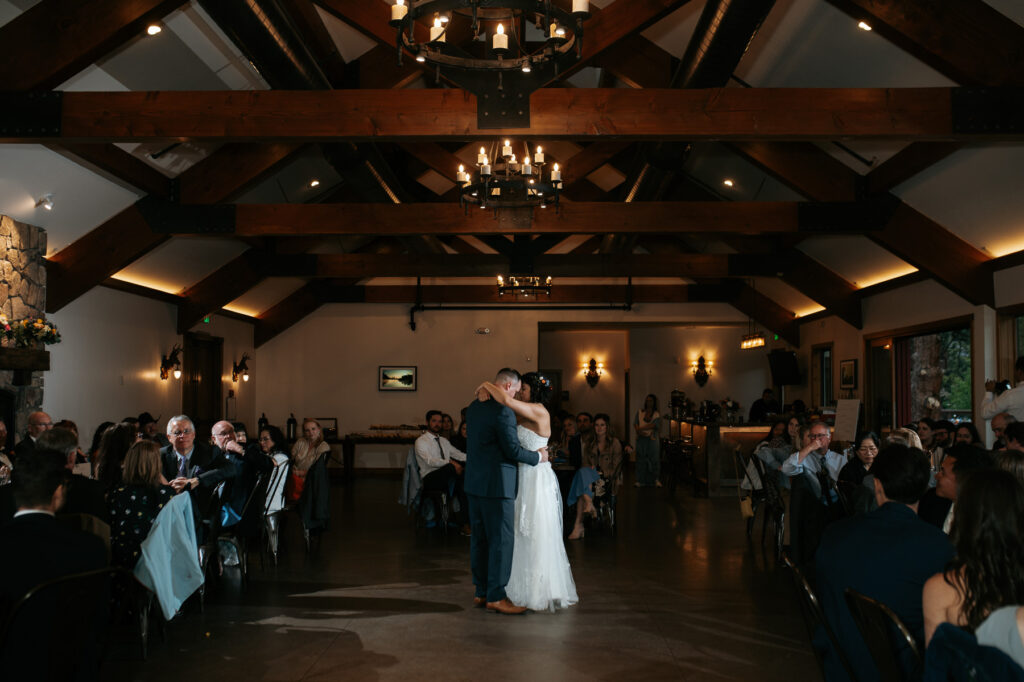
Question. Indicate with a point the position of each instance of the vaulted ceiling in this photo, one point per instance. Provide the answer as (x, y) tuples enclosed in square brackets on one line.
[(856, 159)]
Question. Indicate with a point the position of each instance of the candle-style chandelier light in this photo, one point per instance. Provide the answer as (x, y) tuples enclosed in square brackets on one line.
[(511, 181), (509, 65), (524, 285)]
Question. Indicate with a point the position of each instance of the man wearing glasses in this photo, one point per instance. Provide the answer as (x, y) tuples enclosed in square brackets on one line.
[(193, 466), (814, 501), (37, 423), (815, 455)]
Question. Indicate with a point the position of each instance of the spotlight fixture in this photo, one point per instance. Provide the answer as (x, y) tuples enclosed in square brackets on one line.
[(524, 285), (314, 183), (170, 362), (45, 201), (592, 372), (153, 29), (241, 368), (701, 370), (505, 76), (728, 182), (864, 26)]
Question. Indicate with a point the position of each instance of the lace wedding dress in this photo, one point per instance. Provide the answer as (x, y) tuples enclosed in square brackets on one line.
[(541, 578)]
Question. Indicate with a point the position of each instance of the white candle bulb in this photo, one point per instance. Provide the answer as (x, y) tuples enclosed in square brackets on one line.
[(481, 158), (500, 40), (437, 31), (507, 149), (398, 10), (556, 175), (552, 30), (580, 5), (539, 156), (527, 168)]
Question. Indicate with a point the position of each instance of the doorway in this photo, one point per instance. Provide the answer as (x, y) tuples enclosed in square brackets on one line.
[(202, 366)]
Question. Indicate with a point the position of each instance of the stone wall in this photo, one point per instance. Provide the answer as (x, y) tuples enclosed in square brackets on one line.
[(22, 294)]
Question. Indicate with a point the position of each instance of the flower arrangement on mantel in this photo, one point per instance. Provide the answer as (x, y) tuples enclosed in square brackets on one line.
[(27, 333)]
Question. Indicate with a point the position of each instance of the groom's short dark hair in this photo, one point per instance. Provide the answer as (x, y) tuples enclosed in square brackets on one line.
[(507, 375)]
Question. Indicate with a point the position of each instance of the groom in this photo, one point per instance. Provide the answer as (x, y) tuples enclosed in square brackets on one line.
[(491, 480)]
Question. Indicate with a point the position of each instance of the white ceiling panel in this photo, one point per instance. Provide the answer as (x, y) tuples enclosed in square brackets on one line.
[(786, 296), (856, 259), (181, 262), (712, 164), (1011, 9), (975, 193), (350, 43), (811, 44), (265, 295), (82, 199), (673, 33)]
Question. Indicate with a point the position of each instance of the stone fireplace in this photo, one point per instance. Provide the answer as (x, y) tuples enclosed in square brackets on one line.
[(22, 295)]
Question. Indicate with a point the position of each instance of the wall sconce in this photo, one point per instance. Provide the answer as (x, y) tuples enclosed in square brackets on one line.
[(701, 370), (240, 368), (592, 372), (171, 362)]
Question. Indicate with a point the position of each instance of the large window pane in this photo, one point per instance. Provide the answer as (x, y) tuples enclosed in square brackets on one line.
[(939, 375)]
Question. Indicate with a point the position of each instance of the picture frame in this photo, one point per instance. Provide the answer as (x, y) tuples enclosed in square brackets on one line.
[(848, 375), (396, 377)]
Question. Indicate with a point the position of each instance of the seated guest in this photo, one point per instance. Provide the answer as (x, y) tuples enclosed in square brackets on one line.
[(441, 465), (250, 461), (114, 445), (7, 507), (814, 502), (942, 434), (1000, 423), (192, 466), (886, 554), (988, 570), (94, 450), (647, 424), (814, 459), (1004, 630), (777, 445), (560, 447), (967, 433), (82, 495), (938, 505), (37, 423), (1014, 436), (853, 480), (458, 440), (135, 502), (447, 426), (241, 433), (584, 423), (601, 459), (150, 429), (305, 453), (908, 437), (764, 406), (5, 451), (36, 548), (1013, 461)]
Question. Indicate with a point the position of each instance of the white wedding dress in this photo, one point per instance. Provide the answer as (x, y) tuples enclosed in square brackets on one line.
[(541, 579)]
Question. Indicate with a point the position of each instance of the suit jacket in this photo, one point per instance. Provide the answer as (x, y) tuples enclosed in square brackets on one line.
[(209, 464), (493, 451), (25, 447), (38, 549), (85, 496), (934, 509), (887, 554)]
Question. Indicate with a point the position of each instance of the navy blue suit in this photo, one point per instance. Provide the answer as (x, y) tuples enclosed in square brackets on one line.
[(491, 481), (887, 554)]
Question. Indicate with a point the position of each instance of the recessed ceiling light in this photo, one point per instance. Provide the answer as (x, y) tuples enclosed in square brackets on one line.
[(864, 26), (153, 29), (728, 183), (314, 183), (46, 201)]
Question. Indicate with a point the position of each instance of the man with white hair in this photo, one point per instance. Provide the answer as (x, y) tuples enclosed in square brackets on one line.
[(193, 466)]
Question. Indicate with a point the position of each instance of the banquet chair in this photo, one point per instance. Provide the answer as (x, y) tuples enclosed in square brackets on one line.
[(274, 504), (893, 648), (248, 526), (56, 631), (814, 619), (774, 506), (746, 470), (430, 506)]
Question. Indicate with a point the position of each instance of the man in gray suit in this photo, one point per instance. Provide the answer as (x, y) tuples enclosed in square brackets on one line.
[(491, 482)]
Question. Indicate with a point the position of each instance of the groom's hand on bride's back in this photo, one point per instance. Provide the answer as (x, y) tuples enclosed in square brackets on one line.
[(482, 394), (543, 452)]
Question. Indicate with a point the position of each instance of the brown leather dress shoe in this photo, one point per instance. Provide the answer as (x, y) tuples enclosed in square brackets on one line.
[(506, 607), (479, 602)]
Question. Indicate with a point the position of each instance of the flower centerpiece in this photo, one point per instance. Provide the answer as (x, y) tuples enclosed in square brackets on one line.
[(27, 333)]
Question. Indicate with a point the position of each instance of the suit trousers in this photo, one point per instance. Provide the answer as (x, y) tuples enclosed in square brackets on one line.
[(447, 481), (492, 520)]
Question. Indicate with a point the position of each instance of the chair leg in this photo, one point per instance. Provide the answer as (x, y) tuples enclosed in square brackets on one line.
[(144, 605)]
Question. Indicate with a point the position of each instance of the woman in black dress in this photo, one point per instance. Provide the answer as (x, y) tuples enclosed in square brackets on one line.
[(135, 502)]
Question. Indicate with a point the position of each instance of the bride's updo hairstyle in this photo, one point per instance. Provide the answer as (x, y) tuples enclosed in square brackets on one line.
[(540, 387)]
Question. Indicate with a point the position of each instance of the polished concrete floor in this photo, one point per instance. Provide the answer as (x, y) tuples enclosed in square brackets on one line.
[(676, 594)]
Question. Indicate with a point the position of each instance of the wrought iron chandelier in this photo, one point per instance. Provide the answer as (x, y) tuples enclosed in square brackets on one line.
[(510, 182), (509, 69), (524, 285)]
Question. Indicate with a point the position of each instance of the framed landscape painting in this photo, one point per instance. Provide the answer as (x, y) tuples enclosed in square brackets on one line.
[(848, 375), (396, 378)]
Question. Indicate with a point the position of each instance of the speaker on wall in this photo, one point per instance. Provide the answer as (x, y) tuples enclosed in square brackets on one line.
[(785, 371)]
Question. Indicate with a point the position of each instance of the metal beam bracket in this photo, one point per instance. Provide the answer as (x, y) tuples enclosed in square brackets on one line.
[(165, 217), (33, 114), (991, 111)]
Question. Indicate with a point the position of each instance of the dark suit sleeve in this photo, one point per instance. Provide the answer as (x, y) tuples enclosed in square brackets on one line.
[(509, 441), (255, 457), (220, 468)]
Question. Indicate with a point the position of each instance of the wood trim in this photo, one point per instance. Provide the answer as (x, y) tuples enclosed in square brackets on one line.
[(948, 324)]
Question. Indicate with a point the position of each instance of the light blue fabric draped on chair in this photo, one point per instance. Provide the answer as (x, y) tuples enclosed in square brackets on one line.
[(169, 563)]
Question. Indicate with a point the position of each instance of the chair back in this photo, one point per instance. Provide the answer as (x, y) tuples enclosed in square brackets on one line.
[(814, 618), (55, 630), (887, 637), (274, 501)]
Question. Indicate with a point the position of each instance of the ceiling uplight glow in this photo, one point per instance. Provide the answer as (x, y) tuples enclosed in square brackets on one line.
[(153, 29), (864, 26), (314, 183)]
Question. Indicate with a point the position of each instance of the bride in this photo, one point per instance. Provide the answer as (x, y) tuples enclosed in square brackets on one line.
[(541, 578)]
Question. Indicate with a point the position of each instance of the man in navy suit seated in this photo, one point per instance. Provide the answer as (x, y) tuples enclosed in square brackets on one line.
[(886, 554)]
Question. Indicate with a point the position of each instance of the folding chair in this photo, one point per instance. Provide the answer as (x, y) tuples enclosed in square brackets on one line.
[(887, 637)]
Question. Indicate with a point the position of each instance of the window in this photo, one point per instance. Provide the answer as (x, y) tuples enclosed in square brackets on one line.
[(933, 375)]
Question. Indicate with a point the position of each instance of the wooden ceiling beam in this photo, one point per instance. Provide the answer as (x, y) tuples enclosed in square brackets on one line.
[(221, 287), (288, 311), (905, 164), (318, 41), (125, 168), (56, 39), (712, 217), (968, 41), (557, 113), (560, 294), (767, 313), (129, 235)]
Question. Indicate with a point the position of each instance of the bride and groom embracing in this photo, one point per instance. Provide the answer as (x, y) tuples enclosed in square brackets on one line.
[(517, 554)]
